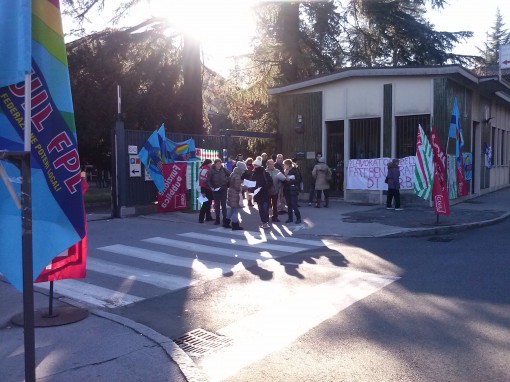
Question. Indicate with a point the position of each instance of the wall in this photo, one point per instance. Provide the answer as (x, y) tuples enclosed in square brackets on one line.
[(500, 172), (309, 106), (363, 97)]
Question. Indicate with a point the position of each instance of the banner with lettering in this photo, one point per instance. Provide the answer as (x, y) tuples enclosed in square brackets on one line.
[(57, 198), (173, 196), (369, 174)]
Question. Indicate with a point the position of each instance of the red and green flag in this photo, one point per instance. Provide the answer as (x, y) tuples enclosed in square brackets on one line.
[(423, 170)]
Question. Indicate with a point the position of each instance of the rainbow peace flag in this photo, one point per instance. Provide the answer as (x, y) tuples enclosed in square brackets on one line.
[(182, 148), (57, 198), (180, 151)]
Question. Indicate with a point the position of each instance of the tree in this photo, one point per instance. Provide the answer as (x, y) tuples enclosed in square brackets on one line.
[(395, 32), (497, 37), (298, 40), (192, 103), (192, 86), (146, 65), (294, 41)]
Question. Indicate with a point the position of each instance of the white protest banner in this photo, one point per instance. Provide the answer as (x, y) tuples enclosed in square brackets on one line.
[(369, 174)]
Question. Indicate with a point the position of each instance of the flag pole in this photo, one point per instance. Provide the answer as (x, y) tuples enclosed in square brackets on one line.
[(26, 239)]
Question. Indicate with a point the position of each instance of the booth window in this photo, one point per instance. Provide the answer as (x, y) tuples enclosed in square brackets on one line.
[(502, 143), (494, 156), (365, 138), (407, 129)]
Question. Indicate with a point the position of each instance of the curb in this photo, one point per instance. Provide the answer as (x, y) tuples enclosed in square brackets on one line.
[(445, 229), (188, 368), (406, 232)]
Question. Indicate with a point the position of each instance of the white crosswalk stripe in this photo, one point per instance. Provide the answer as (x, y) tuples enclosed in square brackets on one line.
[(242, 243), (121, 274), (255, 237), (201, 248), (91, 294), (158, 279), (165, 258)]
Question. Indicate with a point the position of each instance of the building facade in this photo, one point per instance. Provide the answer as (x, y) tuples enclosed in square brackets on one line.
[(362, 113)]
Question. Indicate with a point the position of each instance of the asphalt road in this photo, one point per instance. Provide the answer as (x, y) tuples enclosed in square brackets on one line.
[(432, 309)]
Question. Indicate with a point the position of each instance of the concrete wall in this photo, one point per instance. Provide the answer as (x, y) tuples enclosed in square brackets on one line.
[(363, 97)]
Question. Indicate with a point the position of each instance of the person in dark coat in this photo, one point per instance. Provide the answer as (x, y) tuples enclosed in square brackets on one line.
[(247, 175), (205, 210), (217, 180), (264, 159), (262, 179), (291, 189), (393, 179), (277, 178)]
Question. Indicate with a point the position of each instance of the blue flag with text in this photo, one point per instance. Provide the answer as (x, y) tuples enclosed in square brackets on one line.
[(58, 219)]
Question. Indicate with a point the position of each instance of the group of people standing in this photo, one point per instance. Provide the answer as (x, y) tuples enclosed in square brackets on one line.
[(277, 185), (277, 182)]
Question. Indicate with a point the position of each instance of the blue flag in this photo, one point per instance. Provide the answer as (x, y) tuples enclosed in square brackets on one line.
[(151, 157), (455, 131), (58, 220), (15, 40), (162, 139)]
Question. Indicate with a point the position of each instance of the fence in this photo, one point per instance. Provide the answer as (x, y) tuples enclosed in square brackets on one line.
[(136, 190)]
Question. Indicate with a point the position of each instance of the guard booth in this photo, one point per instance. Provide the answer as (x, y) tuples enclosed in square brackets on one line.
[(133, 191)]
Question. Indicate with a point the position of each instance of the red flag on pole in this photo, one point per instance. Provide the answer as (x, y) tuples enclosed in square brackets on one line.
[(440, 187)]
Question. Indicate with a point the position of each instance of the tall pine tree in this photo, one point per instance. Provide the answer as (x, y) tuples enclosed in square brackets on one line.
[(498, 36), (396, 32)]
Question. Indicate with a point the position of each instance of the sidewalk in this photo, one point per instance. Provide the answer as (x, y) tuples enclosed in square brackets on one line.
[(345, 219), (105, 346), (102, 347)]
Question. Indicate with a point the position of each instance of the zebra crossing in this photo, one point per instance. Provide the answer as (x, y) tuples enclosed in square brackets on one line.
[(120, 274)]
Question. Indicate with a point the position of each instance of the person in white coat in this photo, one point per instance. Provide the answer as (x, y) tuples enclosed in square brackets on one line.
[(322, 175)]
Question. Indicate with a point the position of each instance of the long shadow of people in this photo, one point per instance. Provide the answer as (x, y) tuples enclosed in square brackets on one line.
[(292, 262)]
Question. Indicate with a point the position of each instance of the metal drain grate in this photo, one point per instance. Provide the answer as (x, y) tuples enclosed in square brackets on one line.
[(200, 342)]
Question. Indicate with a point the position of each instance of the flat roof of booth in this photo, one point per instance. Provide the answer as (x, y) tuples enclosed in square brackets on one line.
[(486, 84)]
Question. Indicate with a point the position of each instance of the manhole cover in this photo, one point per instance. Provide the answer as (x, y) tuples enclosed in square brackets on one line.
[(363, 204), (441, 239), (473, 201), (200, 342)]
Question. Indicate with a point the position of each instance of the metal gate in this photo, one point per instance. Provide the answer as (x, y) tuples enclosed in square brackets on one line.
[(132, 195)]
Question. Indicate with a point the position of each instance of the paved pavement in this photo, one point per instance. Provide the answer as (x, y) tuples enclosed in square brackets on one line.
[(104, 346)]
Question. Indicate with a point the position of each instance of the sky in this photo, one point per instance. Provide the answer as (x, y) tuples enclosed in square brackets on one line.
[(470, 15), (226, 27)]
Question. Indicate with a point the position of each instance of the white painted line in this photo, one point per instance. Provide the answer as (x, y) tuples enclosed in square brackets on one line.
[(166, 258), (208, 249), (262, 237), (91, 294), (161, 280), (269, 330), (242, 242)]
